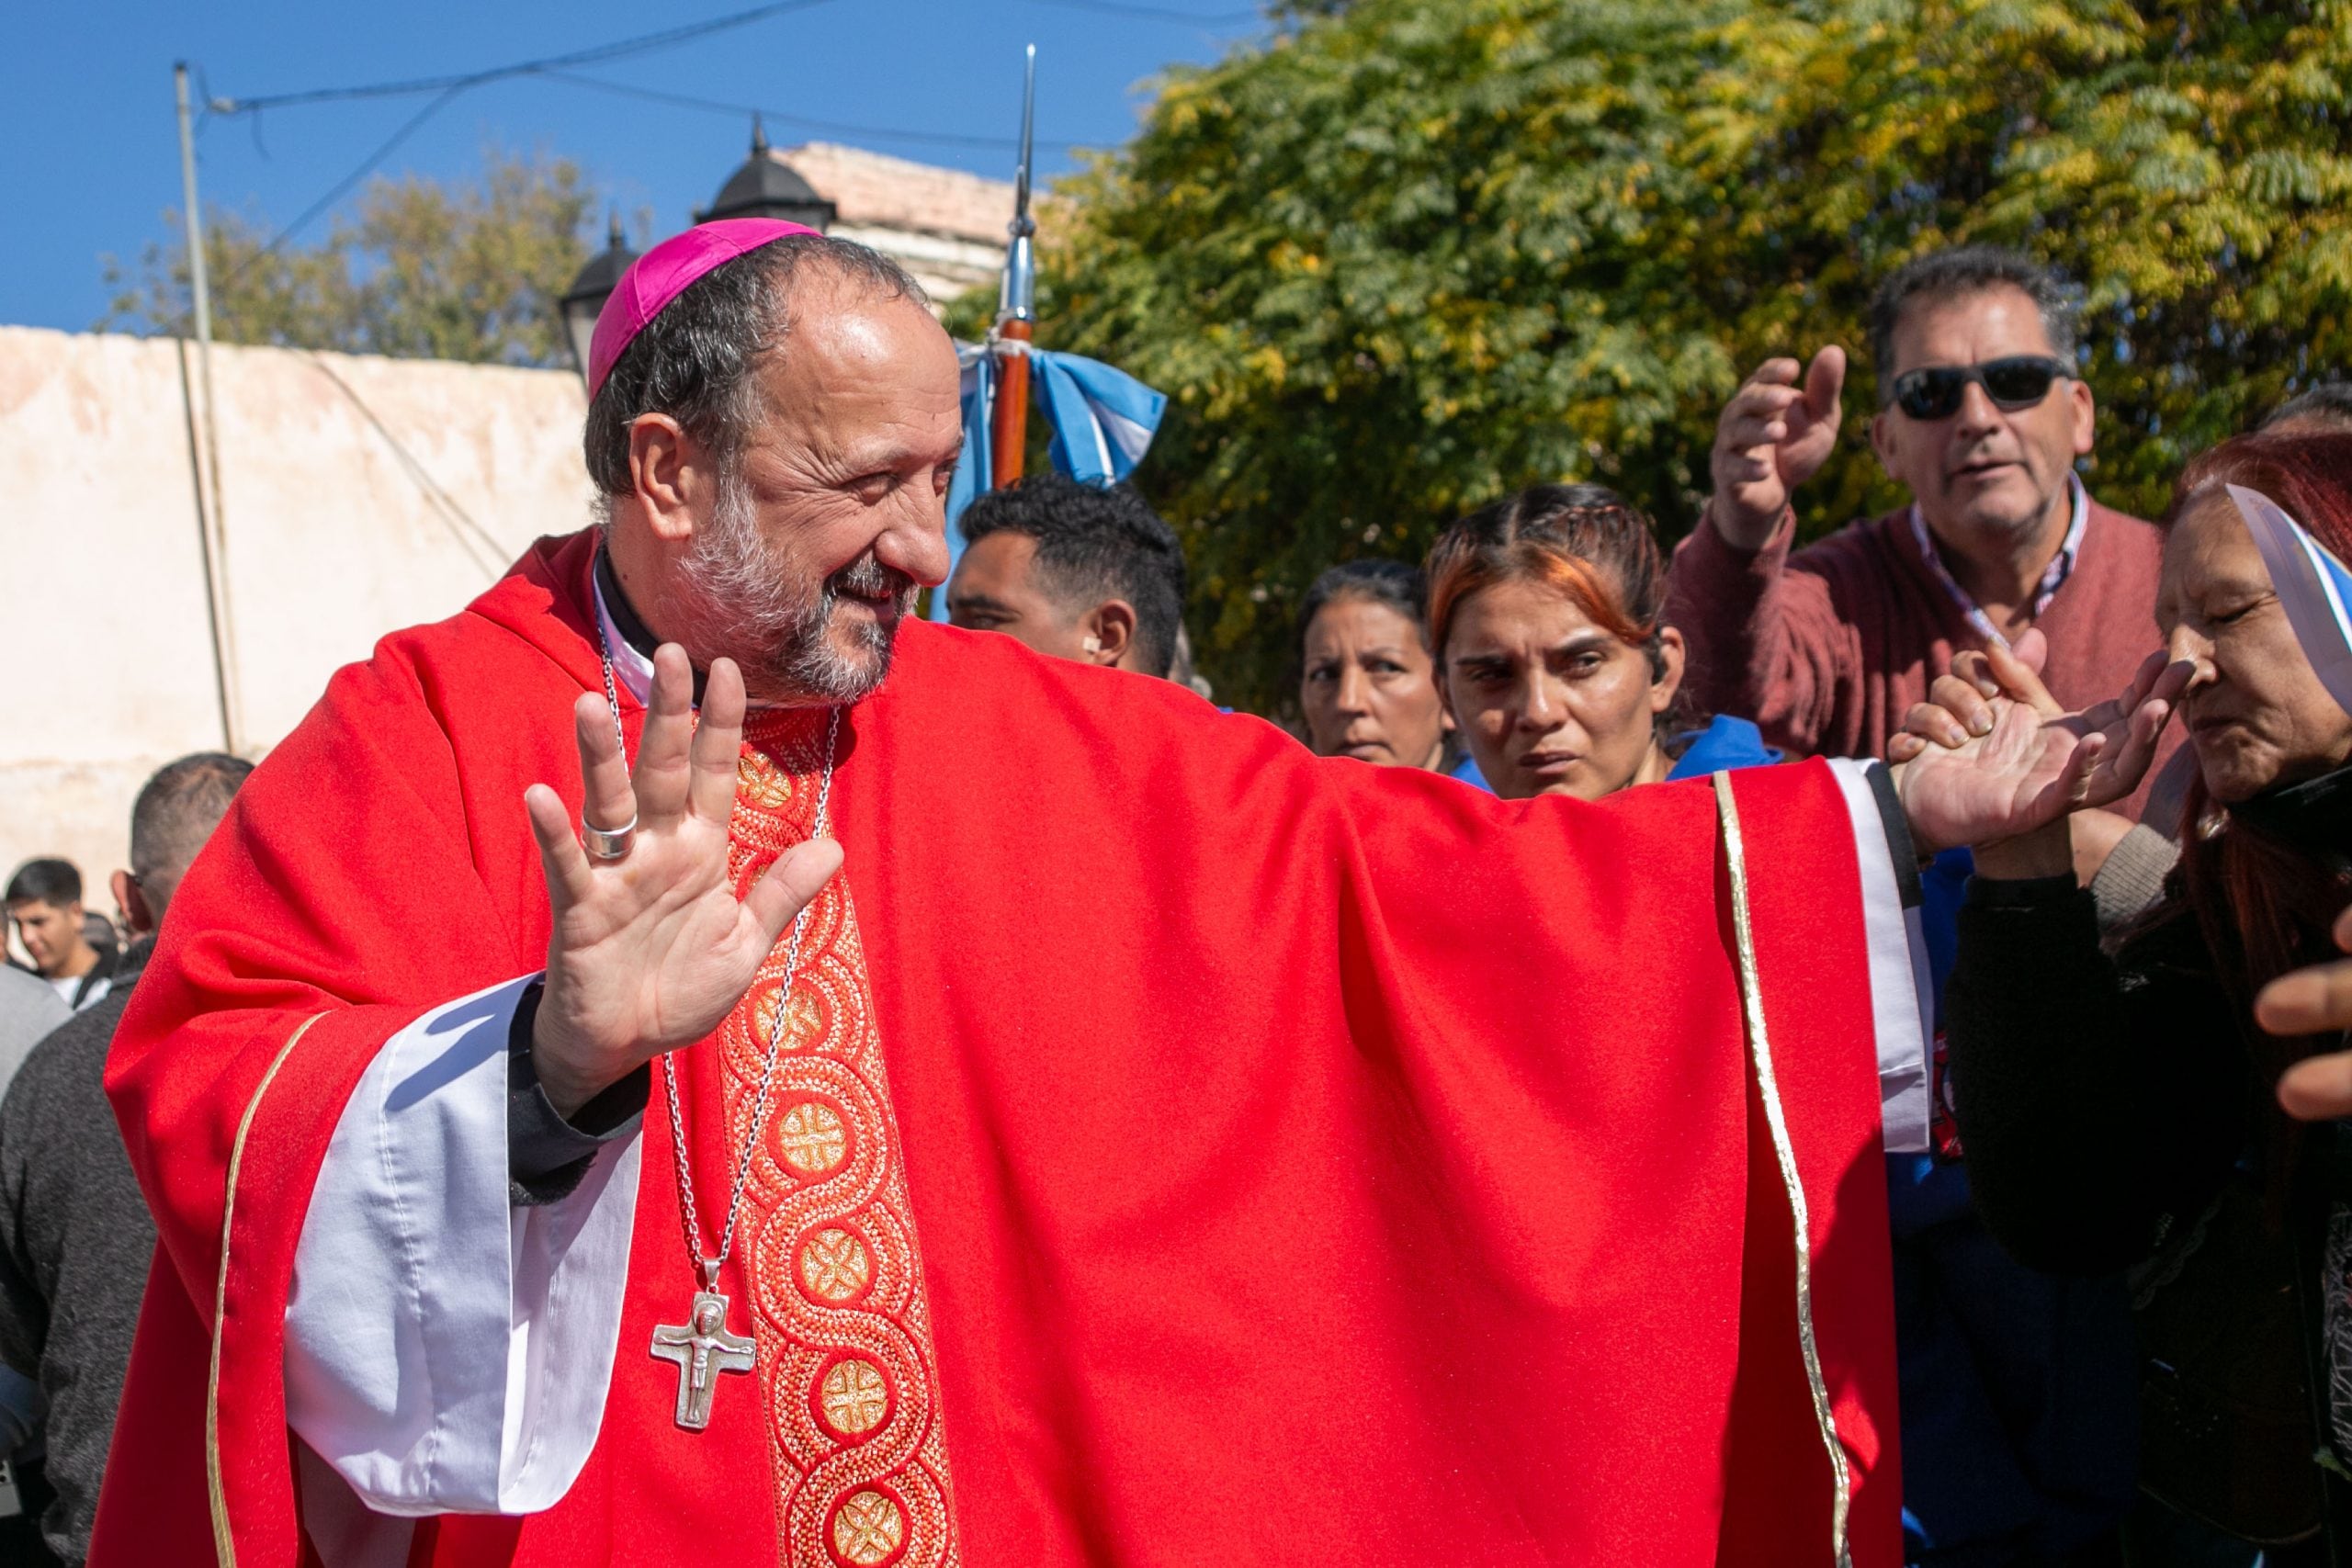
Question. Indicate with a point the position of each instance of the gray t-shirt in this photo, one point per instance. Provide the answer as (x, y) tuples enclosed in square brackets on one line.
[(30, 1008)]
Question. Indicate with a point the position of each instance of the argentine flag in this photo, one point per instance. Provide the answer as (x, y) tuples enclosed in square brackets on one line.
[(1103, 420), (2313, 586)]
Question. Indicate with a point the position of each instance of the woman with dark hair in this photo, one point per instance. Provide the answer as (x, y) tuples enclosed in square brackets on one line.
[(2119, 1109), (1366, 684), (1547, 615)]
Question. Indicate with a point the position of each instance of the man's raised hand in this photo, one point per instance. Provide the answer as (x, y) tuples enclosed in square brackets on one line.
[(651, 951), (2004, 759), (1774, 435)]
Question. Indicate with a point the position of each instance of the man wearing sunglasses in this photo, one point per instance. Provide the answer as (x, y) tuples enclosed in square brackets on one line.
[(2017, 1391), (1981, 418)]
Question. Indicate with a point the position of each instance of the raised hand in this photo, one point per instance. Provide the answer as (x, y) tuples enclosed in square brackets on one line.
[(2006, 759), (651, 951), (2317, 1000), (1772, 436)]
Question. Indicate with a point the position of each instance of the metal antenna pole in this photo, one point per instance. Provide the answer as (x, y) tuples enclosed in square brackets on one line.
[(211, 535)]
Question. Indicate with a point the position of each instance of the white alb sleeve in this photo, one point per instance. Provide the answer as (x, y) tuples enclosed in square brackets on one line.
[(1902, 1005), (447, 1350)]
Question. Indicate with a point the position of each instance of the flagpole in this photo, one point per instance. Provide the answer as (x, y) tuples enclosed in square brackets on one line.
[(1016, 312)]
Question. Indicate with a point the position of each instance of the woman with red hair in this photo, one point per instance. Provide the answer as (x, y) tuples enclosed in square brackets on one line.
[(2122, 1109), (1546, 619)]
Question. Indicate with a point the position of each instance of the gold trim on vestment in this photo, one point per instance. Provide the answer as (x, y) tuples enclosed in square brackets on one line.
[(224, 1544), (1751, 997)]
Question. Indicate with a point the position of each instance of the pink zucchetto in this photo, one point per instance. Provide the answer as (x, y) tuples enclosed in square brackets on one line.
[(663, 273)]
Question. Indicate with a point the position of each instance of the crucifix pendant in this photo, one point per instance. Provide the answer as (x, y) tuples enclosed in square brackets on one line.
[(703, 1348)]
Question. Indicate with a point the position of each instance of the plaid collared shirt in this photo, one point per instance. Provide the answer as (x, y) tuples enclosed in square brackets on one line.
[(2060, 566)]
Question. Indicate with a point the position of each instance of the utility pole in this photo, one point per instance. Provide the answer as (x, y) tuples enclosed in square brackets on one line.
[(212, 536)]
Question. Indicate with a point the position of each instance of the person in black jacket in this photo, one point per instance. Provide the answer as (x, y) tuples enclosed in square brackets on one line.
[(2122, 1108), (75, 1237)]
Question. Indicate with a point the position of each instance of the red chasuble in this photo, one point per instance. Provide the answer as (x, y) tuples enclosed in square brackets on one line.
[(1184, 1149)]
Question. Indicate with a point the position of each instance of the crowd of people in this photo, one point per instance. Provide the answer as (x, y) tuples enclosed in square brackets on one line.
[(2122, 1265), (2097, 1054)]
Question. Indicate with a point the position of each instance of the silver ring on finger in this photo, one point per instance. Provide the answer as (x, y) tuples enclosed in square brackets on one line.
[(607, 843)]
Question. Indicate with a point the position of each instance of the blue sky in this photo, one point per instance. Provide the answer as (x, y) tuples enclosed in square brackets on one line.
[(85, 103)]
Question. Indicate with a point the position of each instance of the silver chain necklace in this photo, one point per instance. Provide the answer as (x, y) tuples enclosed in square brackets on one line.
[(702, 1345)]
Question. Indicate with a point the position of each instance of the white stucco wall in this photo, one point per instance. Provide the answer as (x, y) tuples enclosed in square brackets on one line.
[(359, 495)]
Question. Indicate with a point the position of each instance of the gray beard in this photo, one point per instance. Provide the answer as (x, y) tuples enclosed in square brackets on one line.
[(746, 602)]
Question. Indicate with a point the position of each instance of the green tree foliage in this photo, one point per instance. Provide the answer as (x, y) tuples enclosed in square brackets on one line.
[(421, 269), (1405, 256)]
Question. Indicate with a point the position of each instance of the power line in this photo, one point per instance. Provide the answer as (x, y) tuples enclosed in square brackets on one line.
[(555, 68), (446, 88), (1157, 13), (619, 48), (781, 117), (336, 192), (415, 122)]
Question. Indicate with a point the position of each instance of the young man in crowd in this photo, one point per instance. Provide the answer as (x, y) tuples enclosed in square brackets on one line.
[(74, 1233), (1075, 570), (44, 902)]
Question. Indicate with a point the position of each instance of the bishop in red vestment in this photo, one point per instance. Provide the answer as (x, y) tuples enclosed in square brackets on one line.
[(1156, 1145)]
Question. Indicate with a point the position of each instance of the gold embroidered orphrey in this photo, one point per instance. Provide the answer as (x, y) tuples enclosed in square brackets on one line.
[(839, 1321)]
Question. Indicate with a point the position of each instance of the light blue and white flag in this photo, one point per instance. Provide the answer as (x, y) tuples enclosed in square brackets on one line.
[(2313, 586), (1103, 420), (974, 473)]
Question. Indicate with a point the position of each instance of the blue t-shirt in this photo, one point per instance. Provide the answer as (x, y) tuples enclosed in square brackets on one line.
[(1726, 743)]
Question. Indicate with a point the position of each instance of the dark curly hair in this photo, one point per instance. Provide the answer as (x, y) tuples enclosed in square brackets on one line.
[(1095, 542), (45, 881)]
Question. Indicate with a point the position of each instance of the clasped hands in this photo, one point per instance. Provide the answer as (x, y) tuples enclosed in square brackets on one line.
[(1992, 721), (650, 951)]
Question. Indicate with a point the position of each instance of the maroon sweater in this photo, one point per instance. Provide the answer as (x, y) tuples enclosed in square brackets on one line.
[(1828, 648)]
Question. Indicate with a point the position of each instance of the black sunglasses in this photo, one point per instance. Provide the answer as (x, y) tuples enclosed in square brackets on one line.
[(2016, 382)]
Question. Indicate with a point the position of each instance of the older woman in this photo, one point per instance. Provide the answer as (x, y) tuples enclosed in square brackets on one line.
[(1366, 684), (1555, 660), (2119, 1109)]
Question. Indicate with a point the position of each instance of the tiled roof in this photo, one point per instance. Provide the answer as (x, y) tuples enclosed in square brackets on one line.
[(874, 190)]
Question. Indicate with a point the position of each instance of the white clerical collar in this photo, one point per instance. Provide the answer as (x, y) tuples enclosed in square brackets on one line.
[(2062, 566), (630, 667)]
